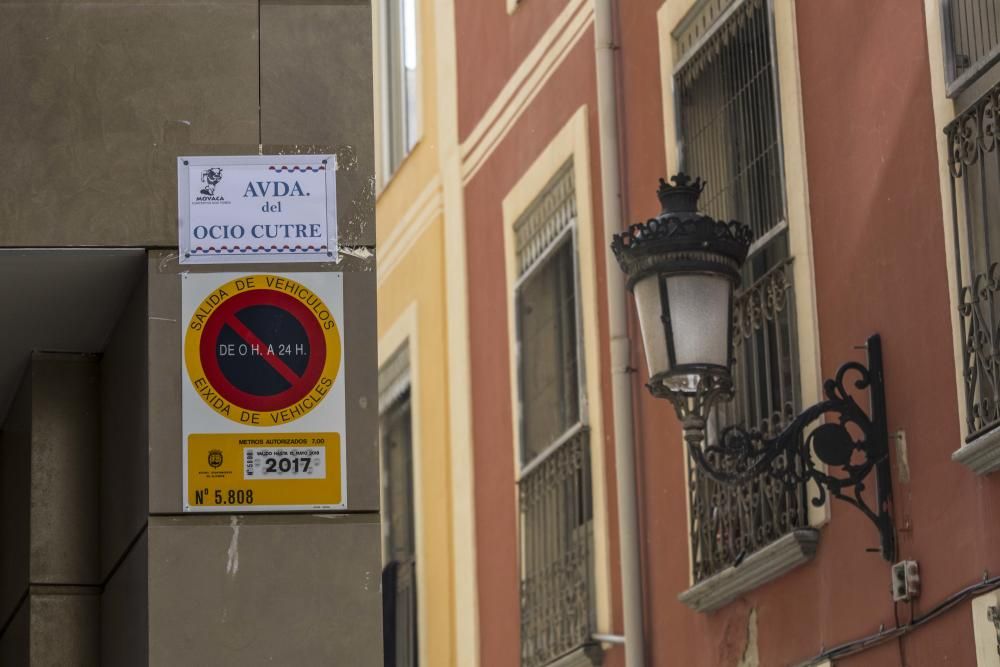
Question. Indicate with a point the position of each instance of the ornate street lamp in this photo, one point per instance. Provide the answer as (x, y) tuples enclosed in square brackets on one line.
[(682, 268)]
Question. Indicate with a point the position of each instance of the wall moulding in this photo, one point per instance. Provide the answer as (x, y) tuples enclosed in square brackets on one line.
[(774, 560)]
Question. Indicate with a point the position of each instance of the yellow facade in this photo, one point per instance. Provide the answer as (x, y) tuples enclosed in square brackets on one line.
[(420, 278)]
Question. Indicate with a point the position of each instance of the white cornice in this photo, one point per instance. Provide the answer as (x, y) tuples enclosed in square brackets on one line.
[(784, 554), (525, 84), (422, 211), (981, 455)]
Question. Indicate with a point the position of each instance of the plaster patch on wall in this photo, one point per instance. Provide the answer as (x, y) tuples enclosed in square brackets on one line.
[(233, 564), (360, 252), (751, 656), (167, 259)]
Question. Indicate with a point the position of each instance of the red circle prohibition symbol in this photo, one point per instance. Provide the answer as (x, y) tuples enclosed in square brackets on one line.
[(226, 320)]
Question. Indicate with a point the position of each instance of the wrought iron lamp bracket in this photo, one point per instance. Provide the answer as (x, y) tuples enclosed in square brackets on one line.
[(794, 458)]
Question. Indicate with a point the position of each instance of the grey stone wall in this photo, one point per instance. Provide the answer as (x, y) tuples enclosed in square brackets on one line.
[(97, 563), (99, 99)]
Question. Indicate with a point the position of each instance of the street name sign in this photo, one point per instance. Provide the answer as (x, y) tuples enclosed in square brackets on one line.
[(263, 393), (257, 208)]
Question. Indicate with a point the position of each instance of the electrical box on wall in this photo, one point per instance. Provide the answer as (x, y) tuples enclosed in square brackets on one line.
[(905, 581)]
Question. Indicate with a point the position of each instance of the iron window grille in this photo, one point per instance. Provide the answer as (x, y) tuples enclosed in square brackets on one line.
[(974, 168), (731, 521), (399, 580), (557, 555), (972, 40), (554, 488), (729, 133), (401, 113)]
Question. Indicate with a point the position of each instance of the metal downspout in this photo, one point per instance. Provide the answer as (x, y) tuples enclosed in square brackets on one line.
[(621, 382)]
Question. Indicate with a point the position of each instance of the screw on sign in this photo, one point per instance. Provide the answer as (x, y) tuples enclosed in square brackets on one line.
[(262, 350)]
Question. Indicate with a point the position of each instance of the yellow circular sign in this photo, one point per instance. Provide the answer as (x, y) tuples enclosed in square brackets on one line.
[(262, 350)]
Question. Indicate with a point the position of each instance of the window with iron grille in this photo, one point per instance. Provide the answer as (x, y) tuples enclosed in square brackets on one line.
[(729, 133), (972, 40), (974, 168), (555, 522), (399, 585), (400, 103)]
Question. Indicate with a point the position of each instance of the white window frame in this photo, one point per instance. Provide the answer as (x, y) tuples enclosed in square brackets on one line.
[(403, 332), (571, 142), (384, 38)]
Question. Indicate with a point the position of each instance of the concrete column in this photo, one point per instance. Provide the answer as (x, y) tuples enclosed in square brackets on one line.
[(97, 561), (125, 488), (49, 457), (263, 589)]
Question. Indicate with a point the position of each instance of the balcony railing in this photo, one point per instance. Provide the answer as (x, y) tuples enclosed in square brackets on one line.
[(557, 561), (974, 165), (729, 522)]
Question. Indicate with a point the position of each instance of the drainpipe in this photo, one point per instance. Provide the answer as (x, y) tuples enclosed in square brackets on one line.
[(621, 381)]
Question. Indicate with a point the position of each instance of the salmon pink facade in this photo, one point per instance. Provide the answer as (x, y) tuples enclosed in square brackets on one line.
[(840, 133)]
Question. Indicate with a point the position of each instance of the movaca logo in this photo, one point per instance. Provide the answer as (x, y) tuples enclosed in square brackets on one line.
[(211, 177)]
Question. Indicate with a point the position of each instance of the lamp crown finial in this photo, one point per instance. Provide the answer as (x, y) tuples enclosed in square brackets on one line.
[(682, 196)]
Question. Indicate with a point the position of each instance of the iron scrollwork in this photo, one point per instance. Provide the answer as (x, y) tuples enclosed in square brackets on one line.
[(740, 454), (972, 144)]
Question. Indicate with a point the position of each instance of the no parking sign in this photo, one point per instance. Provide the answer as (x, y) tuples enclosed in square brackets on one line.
[(263, 396)]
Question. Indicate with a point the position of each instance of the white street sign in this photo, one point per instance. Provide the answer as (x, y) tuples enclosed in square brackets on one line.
[(258, 208)]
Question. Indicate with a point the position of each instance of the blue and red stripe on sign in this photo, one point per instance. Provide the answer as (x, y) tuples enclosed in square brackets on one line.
[(263, 350)]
